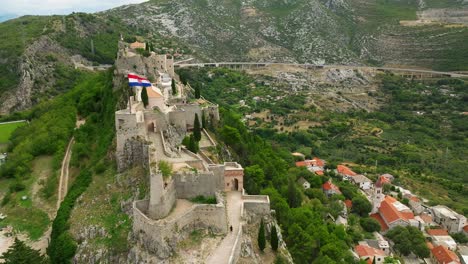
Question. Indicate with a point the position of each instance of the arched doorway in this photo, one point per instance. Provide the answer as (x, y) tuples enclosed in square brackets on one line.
[(151, 127), (236, 184)]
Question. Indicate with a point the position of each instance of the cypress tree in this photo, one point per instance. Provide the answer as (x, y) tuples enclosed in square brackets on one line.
[(274, 238), (261, 236), (193, 144), (174, 90), (294, 195), (144, 96), (196, 128), (203, 120), (197, 91)]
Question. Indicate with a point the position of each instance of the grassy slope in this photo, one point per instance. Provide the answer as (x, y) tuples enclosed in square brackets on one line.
[(7, 129)]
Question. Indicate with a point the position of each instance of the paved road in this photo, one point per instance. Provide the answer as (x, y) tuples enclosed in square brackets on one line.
[(223, 251), (306, 65)]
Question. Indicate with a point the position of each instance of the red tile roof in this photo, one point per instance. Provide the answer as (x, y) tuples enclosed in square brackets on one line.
[(426, 218), (330, 186), (444, 256), (437, 232), (390, 213), (303, 163), (318, 162), (382, 180), (313, 162), (348, 203), (415, 199), (465, 228), (366, 251), (383, 225), (342, 169), (319, 173)]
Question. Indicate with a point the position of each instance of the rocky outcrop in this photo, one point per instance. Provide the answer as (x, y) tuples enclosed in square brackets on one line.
[(36, 69)]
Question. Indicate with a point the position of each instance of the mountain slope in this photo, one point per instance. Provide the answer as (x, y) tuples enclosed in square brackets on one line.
[(375, 32)]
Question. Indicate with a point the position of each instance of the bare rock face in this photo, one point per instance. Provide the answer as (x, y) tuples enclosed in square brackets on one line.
[(36, 68)]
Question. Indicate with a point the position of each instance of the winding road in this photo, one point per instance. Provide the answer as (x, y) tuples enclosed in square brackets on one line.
[(64, 172), (182, 64)]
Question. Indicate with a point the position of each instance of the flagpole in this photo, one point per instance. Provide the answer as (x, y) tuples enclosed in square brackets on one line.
[(130, 99)]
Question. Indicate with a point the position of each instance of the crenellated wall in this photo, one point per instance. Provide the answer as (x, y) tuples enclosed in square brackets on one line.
[(191, 184)]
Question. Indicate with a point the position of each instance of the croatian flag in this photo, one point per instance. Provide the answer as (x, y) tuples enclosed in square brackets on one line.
[(135, 80)]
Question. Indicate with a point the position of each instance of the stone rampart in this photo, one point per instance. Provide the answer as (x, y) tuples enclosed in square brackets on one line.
[(256, 204), (160, 237)]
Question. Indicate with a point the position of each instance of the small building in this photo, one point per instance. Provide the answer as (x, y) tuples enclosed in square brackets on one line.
[(440, 237), (362, 181), (449, 219), (442, 255), (233, 176), (3, 157), (345, 172), (348, 203), (137, 45), (330, 189), (340, 220), (304, 183), (465, 230), (368, 253)]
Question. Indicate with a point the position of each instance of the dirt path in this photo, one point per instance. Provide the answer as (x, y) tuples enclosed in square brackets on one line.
[(63, 183), (222, 253)]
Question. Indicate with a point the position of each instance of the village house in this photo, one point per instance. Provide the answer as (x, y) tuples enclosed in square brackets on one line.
[(314, 165), (330, 189), (368, 253), (415, 204), (440, 237), (442, 255), (449, 219), (304, 183), (362, 182), (392, 213), (345, 172)]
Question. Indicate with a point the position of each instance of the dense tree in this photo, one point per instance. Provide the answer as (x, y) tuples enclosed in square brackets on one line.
[(197, 128), (409, 239), (261, 236), (369, 224), (173, 86), (274, 238), (144, 96), (19, 253), (460, 237), (253, 179), (361, 206), (294, 195)]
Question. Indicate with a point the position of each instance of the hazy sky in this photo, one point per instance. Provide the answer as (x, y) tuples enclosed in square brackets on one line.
[(48, 7)]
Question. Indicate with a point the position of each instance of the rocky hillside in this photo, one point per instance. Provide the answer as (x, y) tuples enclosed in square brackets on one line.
[(38, 60)]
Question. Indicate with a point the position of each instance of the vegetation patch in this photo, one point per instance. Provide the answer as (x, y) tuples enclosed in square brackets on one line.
[(204, 200)]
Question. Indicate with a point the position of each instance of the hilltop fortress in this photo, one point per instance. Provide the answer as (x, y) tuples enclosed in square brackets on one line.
[(151, 136)]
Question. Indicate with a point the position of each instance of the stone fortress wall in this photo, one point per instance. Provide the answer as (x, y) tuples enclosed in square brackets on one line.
[(148, 135)]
